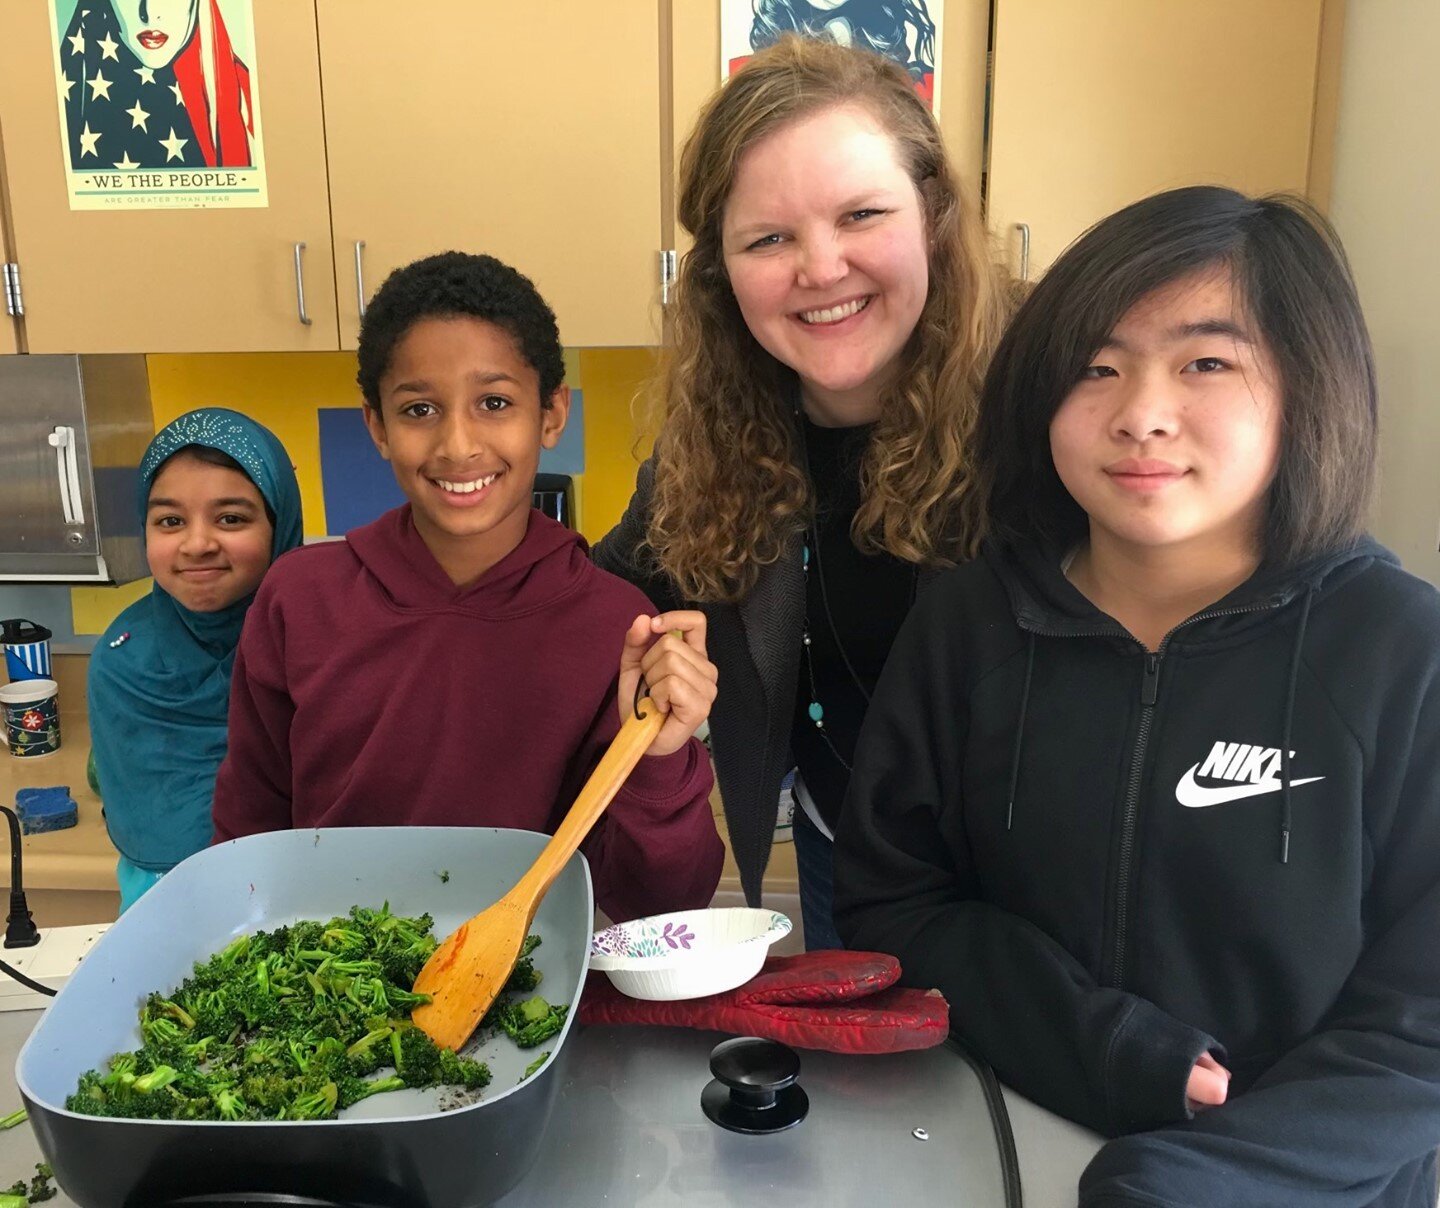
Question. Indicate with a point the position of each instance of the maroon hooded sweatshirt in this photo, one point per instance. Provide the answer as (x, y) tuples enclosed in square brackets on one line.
[(369, 690)]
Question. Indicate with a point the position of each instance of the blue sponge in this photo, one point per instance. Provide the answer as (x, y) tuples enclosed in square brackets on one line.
[(47, 809)]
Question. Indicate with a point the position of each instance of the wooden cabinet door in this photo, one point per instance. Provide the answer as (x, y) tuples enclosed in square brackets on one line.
[(693, 75), (530, 132), (1096, 105), (9, 327), (170, 280)]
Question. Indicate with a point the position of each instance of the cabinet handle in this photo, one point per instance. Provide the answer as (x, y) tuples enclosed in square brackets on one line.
[(667, 275), (1024, 229), (300, 284), (67, 470), (359, 277)]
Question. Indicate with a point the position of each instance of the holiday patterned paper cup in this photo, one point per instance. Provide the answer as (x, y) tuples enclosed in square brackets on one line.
[(32, 717)]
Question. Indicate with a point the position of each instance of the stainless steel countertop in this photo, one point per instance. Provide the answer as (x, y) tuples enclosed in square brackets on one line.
[(627, 1130)]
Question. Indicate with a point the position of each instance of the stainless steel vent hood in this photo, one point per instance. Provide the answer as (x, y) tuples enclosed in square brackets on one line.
[(72, 432)]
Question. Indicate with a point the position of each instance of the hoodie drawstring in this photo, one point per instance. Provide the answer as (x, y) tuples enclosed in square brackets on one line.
[(1289, 720), (1020, 732)]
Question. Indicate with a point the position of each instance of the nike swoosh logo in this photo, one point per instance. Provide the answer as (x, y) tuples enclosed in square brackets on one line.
[(1197, 796)]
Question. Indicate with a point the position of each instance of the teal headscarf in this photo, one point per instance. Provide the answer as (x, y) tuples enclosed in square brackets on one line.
[(160, 676)]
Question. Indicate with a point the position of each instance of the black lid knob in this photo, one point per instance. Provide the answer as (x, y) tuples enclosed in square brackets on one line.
[(754, 1089)]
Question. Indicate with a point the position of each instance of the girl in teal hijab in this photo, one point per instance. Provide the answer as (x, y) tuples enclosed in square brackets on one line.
[(218, 502)]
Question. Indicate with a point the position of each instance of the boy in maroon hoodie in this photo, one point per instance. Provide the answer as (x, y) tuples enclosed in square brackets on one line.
[(455, 662)]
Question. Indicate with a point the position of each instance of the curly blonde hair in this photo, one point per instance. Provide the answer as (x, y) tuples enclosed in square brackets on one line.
[(730, 488)]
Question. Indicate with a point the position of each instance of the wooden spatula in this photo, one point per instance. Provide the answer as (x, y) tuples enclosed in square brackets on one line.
[(466, 973)]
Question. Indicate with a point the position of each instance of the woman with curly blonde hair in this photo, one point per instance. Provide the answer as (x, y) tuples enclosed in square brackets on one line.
[(831, 327)]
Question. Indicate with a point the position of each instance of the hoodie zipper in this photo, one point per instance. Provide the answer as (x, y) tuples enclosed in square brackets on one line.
[(1149, 694)]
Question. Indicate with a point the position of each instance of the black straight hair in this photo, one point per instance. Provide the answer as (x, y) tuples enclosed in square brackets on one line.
[(1293, 284)]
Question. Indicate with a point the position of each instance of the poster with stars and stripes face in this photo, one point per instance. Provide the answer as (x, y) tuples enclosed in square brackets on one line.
[(159, 103), (908, 31)]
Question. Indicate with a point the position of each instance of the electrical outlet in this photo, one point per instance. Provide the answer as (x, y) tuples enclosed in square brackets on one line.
[(49, 962)]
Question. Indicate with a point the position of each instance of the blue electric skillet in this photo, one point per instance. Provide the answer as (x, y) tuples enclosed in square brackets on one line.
[(396, 1150)]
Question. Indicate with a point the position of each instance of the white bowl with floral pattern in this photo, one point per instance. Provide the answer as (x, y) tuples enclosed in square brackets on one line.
[(687, 954)]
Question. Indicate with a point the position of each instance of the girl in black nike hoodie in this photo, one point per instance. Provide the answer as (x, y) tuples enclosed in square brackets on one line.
[(1151, 789)]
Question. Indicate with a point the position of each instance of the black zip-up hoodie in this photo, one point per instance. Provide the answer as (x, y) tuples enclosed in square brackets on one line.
[(1112, 861)]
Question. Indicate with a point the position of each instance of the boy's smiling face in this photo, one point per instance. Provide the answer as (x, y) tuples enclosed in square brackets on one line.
[(462, 425)]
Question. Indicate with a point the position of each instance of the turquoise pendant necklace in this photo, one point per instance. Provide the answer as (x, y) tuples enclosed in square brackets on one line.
[(815, 710), (810, 551)]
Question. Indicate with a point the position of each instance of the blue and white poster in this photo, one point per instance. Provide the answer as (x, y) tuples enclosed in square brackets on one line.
[(907, 31), (159, 103)]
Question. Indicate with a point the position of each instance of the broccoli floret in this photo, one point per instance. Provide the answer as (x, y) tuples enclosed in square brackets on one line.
[(124, 1066), (157, 1007), (342, 939), (353, 1089), (41, 1189), (121, 1092), (270, 1092), (367, 1054), (417, 1060), (229, 1105), (162, 1035), (326, 1060), (524, 977), (89, 1098), (193, 1083), (462, 1071), (37, 1191), (221, 967), (401, 945), (212, 1008), (530, 1021), (161, 1076), (314, 1105), (254, 998), (265, 1050), (308, 935), (535, 1065)]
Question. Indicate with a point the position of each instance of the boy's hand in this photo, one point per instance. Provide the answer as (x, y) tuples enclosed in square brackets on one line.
[(1209, 1083), (669, 652)]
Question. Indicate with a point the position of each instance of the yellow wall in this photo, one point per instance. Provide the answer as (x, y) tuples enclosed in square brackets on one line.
[(613, 379), (1383, 203), (285, 391), (93, 608)]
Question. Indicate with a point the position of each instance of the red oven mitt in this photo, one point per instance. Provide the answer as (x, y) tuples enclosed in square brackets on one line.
[(839, 1001)]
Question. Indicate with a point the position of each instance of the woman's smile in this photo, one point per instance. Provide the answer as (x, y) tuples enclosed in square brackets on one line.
[(834, 315)]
